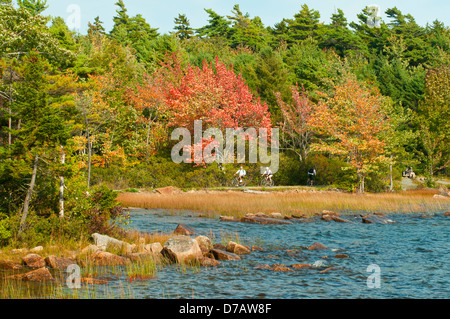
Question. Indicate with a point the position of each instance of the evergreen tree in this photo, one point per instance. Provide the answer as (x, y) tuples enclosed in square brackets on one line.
[(35, 7), (218, 26), (183, 27)]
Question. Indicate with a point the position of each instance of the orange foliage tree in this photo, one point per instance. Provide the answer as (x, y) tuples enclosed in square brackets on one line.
[(354, 125)]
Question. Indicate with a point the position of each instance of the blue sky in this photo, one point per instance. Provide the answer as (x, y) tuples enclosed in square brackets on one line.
[(161, 13)]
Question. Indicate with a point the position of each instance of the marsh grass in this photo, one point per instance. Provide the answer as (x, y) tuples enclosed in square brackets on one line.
[(239, 204)]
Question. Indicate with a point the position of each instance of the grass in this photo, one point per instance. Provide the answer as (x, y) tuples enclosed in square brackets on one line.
[(238, 204)]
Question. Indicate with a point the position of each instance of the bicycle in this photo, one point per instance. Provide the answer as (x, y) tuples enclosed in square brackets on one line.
[(267, 182), (311, 182), (238, 183)]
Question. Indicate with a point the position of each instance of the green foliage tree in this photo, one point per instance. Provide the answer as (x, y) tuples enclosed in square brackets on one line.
[(35, 7)]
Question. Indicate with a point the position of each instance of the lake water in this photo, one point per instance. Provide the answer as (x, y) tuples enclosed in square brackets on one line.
[(411, 255)]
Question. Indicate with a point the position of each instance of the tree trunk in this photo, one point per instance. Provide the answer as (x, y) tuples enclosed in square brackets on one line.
[(26, 204), (61, 186), (391, 187)]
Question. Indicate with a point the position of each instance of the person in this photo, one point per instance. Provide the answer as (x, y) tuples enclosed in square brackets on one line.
[(268, 174), (311, 174), (241, 173)]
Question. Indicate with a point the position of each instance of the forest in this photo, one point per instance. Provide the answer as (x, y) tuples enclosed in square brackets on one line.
[(84, 115)]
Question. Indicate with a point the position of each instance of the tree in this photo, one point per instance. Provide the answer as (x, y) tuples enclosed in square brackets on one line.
[(304, 25), (434, 121), (295, 125), (183, 27), (35, 7), (352, 123), (96, 28), (218, 26)]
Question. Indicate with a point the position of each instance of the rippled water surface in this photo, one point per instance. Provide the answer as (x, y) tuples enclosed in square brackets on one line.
[(412, 256)]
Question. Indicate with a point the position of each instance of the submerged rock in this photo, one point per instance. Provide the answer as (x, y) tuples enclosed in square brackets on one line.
[(317, 246), (301, 266), (224, 255), (265, 221), (376, 219), (39, 275), (9, 265)]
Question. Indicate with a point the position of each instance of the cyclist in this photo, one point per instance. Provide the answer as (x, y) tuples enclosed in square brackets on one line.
[(241, 173), (311, 174), (268, 174)]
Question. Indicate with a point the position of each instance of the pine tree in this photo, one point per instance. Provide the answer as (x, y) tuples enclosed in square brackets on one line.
[(183, 27)]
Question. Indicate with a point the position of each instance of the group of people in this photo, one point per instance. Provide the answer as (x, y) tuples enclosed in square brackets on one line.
[(268, 174)]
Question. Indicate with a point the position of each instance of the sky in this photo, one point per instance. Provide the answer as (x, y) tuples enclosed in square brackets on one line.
[(161, 13)]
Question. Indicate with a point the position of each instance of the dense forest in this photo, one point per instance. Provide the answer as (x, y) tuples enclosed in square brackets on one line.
[(82, 115)]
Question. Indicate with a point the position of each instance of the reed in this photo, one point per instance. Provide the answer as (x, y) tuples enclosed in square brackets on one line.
[(303, 202)]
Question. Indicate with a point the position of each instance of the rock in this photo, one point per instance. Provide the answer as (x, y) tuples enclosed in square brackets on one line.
[(59, 262), (37, 249), (447, 214), (90, 249), (319, 263), (260, 214), (39, 275), (185, 230), (275, 215), (170, 190), (299, 216), (9, 265), (93, 281), (103, 258), (440, 196), (330, 213), (375, 219), (341, 256), (205, 261), (229, 219), (141, 245), (220, 246), (19, 251), (140, 257), (154, 248), (34, 261), (181, 249), (237, 249), (317, 246), (104, 242), (301, 266), (224, 255), (204, 243), (327, 270), (265, 221), (265, 267), (280, 267), (256, 248)]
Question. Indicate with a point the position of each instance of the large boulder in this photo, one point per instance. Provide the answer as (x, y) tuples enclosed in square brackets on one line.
[(103, 258), (181, 249), (34, 261), (59, 262), (104, 241), (39, 275)]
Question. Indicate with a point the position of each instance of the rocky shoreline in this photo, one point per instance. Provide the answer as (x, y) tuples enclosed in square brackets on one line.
[(184, 247)]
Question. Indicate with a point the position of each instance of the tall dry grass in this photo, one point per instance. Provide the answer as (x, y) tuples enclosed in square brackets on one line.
[(240, 203)]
